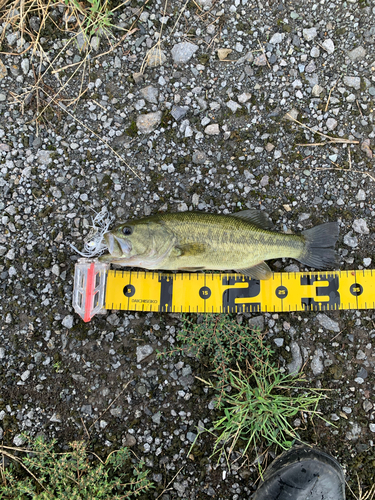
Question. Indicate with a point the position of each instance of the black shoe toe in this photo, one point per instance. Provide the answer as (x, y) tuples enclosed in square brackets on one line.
[(302, 473)]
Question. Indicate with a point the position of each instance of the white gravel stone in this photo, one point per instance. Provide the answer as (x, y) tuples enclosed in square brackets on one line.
[(25, 65), (309, 34), (150, 93), (331, 123), (277, 38), (372, 427), (2, 352), (315, 52), (295, 365), (367, 261), (44, 157), (357, 54), (352, 81), (328, 46), (68, 321), (148, 122), (143, 352), (25, 375), (95, 42), (317, 362), (350, 240), (242, 98), (18, 440), (360, 226), (212, 129), (279, 342), (238, 47), (361, 195), (183, 52), (328, 323), (317, 90), (233, 106)]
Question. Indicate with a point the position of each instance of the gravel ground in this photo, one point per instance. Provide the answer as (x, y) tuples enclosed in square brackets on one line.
[(203, 130)]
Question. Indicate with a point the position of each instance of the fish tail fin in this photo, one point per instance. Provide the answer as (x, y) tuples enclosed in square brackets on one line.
[(319, 249)]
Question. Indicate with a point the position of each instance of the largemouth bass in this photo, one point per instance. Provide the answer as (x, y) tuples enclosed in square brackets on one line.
[(192, 241)]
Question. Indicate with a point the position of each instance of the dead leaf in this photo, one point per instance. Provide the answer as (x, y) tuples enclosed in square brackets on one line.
[(223, 53)]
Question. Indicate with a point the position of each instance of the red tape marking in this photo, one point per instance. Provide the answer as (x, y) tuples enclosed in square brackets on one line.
[(89, 292)]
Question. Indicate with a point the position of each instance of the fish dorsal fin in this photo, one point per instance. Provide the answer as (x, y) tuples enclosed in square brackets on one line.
[(256, 217), (189, 249), (260, 271)]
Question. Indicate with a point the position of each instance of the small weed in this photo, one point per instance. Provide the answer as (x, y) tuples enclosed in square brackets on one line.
[(223, 340), (71, 475)]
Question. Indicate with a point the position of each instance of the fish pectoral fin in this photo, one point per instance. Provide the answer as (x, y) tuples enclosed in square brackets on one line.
[(259, 272), (189, 250), (255, 217)]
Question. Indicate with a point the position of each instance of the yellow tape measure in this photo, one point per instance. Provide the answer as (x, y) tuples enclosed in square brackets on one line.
[(98, 288)]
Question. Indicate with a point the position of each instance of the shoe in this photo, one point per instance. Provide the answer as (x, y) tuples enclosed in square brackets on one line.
[(302, 473)]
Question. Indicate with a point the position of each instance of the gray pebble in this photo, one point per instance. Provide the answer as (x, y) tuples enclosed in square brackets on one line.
[(178, 112), (357, 54), (328, 46), (350, 240), (331, 123), (360, 226), (25, 65), (199, 157), (317, 362), (328, 323), (233, 106), (279, 342), (86, 410), (361, 195), (309, 34), (352, 81), (277, 38), (150, 93), (95, 42), (147, 123), (191, 436), (367, 405), (295, 365), (68, 321), (212, 129), (143, 352), (183, 52), (257, 322)]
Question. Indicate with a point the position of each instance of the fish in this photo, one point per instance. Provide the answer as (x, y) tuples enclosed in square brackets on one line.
[(197, 241)]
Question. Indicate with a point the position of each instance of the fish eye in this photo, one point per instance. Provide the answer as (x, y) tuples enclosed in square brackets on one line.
[(127, 230)]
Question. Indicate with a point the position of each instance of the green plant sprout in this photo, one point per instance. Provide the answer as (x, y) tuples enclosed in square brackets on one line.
[(69, 476)]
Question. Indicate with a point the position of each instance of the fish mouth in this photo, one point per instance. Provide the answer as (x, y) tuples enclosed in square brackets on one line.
[(117, 247)]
